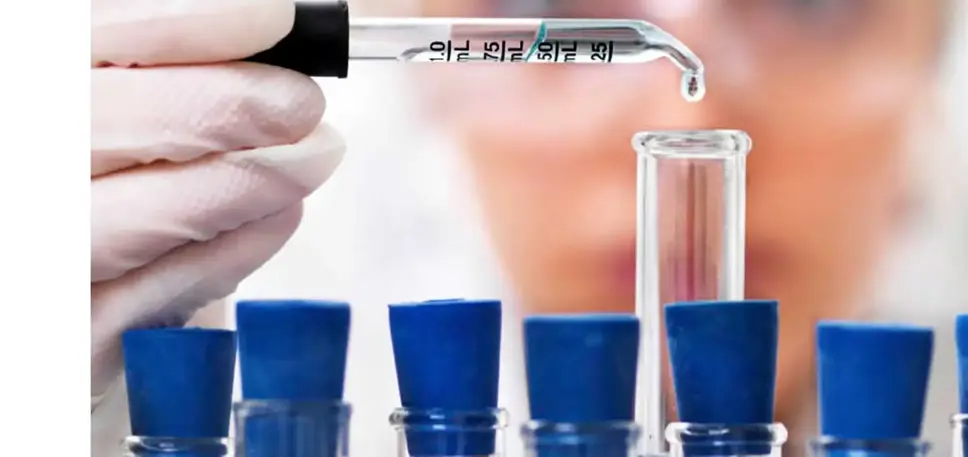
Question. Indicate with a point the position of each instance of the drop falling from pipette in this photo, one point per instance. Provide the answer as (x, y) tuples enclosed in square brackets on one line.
[(693, 86)]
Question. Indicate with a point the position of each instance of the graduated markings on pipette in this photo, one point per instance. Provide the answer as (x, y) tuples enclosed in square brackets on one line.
[(551, 51), (693, 86), (538, 39), (556, 51)]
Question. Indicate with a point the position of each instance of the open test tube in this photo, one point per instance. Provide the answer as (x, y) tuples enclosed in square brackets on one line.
[(690, 243)]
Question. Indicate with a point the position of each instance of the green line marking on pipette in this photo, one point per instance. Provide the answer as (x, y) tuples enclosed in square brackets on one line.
[(538, 39)]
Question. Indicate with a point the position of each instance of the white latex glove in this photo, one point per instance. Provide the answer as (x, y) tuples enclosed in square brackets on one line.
[(198, 165)]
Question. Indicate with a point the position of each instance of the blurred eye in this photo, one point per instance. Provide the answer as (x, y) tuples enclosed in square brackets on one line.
[(823, 13), (580, 9), (780, 24)]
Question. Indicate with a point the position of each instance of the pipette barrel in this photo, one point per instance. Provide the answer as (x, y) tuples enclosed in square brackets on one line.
[(324, 39), (690, 243)]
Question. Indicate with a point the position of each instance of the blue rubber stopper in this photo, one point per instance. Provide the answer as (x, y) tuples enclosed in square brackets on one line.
[(447, 356), (179, 381), (723, 356), (581, 368), (961, 341), (581, 371), (873, 380), (293, 351)]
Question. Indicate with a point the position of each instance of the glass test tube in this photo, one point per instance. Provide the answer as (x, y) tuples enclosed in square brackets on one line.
[(835, 447), (690, 243), (275, 428), (440, 433), (743, 440), (603, 439), (136, 446), (959, 438)]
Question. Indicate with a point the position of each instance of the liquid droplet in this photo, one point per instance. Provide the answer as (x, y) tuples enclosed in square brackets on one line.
[(693, 86)]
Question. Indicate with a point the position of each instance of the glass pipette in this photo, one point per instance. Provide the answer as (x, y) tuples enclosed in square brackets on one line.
[(324, 39)]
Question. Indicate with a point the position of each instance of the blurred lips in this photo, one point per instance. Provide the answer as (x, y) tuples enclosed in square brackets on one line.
[(763, 266)]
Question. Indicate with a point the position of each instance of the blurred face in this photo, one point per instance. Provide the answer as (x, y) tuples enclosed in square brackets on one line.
[(824, 88)]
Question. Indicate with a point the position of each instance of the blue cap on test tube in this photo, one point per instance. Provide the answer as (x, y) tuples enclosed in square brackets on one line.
[(179, 384), (723, 356), (873, 379), (293, 352), (447, 355), (581, 373)]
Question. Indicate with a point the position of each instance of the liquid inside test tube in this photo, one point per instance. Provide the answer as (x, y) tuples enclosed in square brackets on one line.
[(580, 41), (690, 242)]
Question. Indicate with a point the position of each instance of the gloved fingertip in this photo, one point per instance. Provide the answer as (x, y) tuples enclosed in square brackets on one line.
[(312, 103), (335, 144), (283, 104), (307, 164), (332, 148)]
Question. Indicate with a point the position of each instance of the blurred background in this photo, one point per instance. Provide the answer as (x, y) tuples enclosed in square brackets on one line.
[(518, 182)]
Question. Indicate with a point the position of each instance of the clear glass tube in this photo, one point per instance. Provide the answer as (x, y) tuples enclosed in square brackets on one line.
[(142, 446), (604, 439), (592, 41), (271, 428), (440, 433), (690, 242), (834, 447), (721, 440), (959, 435)]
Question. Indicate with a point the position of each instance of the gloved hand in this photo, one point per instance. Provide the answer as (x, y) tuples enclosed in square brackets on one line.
[(198, 165)]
